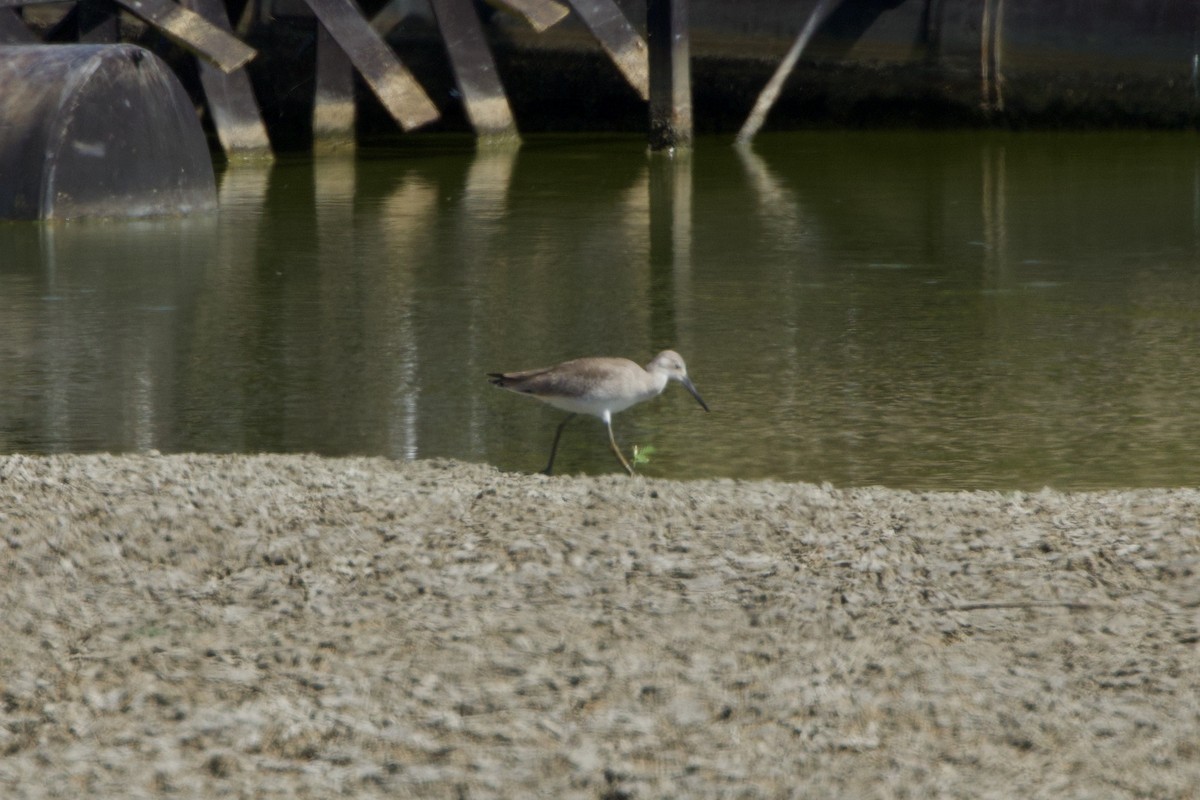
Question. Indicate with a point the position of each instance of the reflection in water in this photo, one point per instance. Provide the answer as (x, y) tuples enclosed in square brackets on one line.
[(790, 227), (481, 226), (89, 318), (670, 222), (911, 310), (995, 234), (407, 212), (215, 381)]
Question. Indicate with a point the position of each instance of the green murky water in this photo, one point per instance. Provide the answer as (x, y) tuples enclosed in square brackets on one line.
[(908, 309)]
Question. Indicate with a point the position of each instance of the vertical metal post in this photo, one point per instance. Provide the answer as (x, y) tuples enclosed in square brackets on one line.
[(991, 41), (670, 75)]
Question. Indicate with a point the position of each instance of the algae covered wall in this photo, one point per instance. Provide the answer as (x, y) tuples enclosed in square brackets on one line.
[(1045, 63), (872, 63)]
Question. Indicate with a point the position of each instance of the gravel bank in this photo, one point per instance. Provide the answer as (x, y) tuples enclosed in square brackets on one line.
[(287, 626)]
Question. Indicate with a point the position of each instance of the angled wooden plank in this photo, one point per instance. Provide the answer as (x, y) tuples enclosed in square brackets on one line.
[(333, 103), (540, 14), (388, 17), (474, 69), (13, 29), (193, 32), (250, 13), (231, 102), (618, 38), (392, 83)]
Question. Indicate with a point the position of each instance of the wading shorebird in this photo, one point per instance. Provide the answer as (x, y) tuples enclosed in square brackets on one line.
[(597, 386)]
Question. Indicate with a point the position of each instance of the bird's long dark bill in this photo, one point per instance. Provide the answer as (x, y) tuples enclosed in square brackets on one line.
[(687, 384)]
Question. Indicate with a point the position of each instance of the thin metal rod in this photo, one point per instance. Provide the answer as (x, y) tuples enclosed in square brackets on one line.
[(770, 93)]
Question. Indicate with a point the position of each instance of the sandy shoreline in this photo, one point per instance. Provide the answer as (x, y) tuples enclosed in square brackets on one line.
[(301, 627)]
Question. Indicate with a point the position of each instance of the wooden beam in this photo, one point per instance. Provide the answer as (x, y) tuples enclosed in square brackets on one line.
[(333, 102), (231, 102), (474, 69), (540, 14), (618, 38), (391, 15), (394, 85), (193, 32), (670, 74)]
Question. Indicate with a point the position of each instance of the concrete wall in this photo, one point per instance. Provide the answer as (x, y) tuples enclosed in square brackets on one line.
[(97, 131)]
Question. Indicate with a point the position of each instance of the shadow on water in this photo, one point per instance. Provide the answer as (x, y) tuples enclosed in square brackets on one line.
[(914, 310)]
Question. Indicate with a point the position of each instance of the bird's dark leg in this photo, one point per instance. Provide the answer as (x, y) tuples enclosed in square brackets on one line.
[(612, 441), (554, 447)]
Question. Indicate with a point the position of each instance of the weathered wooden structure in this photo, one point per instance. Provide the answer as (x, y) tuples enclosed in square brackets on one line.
[(235, 116), (508, 65), (345, 38)]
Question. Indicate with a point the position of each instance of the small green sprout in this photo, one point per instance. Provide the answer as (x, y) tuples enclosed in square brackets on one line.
[(641, 455)]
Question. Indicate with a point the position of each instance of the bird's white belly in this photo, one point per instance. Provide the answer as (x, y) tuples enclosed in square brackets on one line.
[(598, 405)]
